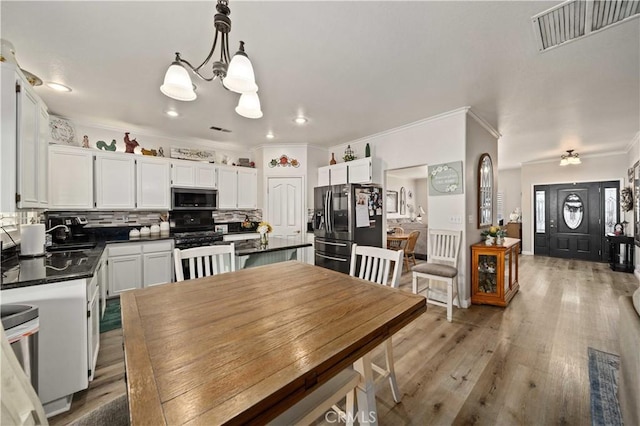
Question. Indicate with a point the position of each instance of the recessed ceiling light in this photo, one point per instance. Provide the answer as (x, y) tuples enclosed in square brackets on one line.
[(270, 135), (172, 113), (58, 87), (300, 120)]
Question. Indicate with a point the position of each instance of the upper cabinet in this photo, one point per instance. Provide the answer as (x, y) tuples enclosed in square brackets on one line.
[(237, 187), (152, 179), (115, 175), (193, 174), (356, 171), (84, 179), (71, 180), (25, 126)]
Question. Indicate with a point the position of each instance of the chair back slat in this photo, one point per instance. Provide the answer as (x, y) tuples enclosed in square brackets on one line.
[(204, 261), (375, 264), (444, 246)]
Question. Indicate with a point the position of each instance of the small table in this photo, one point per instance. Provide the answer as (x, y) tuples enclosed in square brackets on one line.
[(397, 241), (615, 241), (242, 347)]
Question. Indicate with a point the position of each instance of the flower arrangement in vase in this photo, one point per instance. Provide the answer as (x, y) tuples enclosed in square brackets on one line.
[(493, 234), (264, 228)]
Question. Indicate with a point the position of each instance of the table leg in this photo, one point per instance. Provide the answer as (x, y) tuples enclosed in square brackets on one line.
[(366, 392)]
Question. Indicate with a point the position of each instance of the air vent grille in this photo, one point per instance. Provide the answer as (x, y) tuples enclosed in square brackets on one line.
[(220, 129), (574, 19)]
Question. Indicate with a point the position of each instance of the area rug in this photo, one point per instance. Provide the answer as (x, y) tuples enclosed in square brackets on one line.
[(111, 319), (603, 384)]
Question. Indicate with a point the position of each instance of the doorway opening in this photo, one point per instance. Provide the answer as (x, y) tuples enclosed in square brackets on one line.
[(571, 220), (407, 204)]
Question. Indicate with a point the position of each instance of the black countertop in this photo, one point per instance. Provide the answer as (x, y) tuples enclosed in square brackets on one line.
[(52, 267), (248, 247)]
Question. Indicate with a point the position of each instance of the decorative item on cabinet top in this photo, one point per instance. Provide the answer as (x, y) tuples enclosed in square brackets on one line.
[(62, 131), (103, 145), (151, 152), (193, 154), (349, 155), (284, 161), (446, 179), (130, 144)]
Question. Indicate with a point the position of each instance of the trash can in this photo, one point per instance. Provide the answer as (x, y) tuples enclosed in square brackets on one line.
[(21, 325)]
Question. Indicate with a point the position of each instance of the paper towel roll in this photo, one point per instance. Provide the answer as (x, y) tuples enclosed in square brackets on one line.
[(32, 239)]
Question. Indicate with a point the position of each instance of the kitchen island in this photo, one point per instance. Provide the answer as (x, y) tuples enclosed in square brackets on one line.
[(250, 253)]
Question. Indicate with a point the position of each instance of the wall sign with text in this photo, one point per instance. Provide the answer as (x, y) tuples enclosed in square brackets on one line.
[(446, 179)]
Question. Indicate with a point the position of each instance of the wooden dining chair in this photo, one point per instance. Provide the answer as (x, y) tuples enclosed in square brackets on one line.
[(375, 265), (442, 265), (398, 230), (410, 248), (204, 261)]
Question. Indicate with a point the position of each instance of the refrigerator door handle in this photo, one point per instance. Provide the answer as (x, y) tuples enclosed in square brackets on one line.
[(329, 211), (331, 258), (331, 244)]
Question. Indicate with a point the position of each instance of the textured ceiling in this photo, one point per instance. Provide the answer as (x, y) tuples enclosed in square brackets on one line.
[(354, 68)]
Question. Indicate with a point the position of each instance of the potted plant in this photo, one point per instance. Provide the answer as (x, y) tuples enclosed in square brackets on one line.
[(493, 235)]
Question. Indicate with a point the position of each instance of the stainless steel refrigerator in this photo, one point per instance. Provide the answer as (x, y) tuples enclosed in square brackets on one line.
[(343, 215)]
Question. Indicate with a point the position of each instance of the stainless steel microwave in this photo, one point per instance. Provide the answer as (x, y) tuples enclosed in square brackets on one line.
[(194, 199)]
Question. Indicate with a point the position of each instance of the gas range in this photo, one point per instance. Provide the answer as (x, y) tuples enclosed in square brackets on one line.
[(191, 239)]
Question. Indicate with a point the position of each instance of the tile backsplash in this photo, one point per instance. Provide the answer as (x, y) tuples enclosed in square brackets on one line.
[(135, 218)]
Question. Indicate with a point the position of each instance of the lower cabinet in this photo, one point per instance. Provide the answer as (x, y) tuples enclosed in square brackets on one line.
[(138, 265)]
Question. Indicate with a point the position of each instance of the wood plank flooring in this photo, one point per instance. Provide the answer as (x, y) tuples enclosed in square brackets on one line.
[(524, 364)]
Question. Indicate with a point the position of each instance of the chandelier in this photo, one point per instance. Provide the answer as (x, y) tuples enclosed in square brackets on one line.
[(569, 158), (236, 74)]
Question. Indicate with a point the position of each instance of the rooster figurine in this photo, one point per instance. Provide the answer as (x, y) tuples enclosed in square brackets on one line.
[(130, 144)]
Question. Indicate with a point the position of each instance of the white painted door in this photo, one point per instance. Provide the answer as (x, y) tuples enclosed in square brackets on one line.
[(43, 156), (206, 175), (285, 206), (183, 173), (115, 176), (360, 171), (339, 174), (323, 176), (157, 267), (28, 150), (70, 178), (247, 188), (227, 188), (153, 184), (125, 273)]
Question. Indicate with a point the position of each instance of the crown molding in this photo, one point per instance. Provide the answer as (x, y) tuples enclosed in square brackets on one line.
[(484, 123), (633, 141)]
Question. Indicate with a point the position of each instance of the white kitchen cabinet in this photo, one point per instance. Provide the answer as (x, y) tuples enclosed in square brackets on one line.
[(360, 171), (93, 322), (237, 187), (153, 183), (115, 176), (24, 123), (193, 174), (324, 176), (63, 360), (71, 178), (157, 262), (103, 281), (247, 188), (138, 265), (227, 187), (356, 171)]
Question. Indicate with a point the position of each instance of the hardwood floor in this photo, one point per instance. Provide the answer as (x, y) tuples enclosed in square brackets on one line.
[(524, 364)]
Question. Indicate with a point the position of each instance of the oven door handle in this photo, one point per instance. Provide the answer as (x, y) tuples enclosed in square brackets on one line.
[(331, 258)]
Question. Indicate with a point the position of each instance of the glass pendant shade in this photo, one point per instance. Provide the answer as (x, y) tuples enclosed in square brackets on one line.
[(564, 162), (249, 105), (177, 83), (240, 77), (575, 160)]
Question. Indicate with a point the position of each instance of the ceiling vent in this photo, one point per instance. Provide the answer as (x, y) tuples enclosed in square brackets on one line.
[(220, 129), (575, 19)]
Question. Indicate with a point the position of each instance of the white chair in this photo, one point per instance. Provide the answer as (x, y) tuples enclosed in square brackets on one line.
[(204, 261), (375, 265), (442, 265)]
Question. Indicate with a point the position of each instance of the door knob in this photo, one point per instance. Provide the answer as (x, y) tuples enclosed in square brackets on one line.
[(298, 231)]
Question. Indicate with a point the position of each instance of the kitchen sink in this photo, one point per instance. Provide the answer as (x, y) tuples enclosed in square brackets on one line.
[(71, 246)]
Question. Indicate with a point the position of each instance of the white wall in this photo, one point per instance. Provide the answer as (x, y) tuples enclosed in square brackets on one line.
[(421, 196), (633, 156), (511, 188), (439, 139), (478, 141), (592, 169)]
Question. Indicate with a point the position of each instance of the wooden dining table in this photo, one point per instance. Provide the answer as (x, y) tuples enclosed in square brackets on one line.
[(244, 346)]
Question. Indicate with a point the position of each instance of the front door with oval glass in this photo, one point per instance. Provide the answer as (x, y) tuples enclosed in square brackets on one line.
[(571, 220)]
